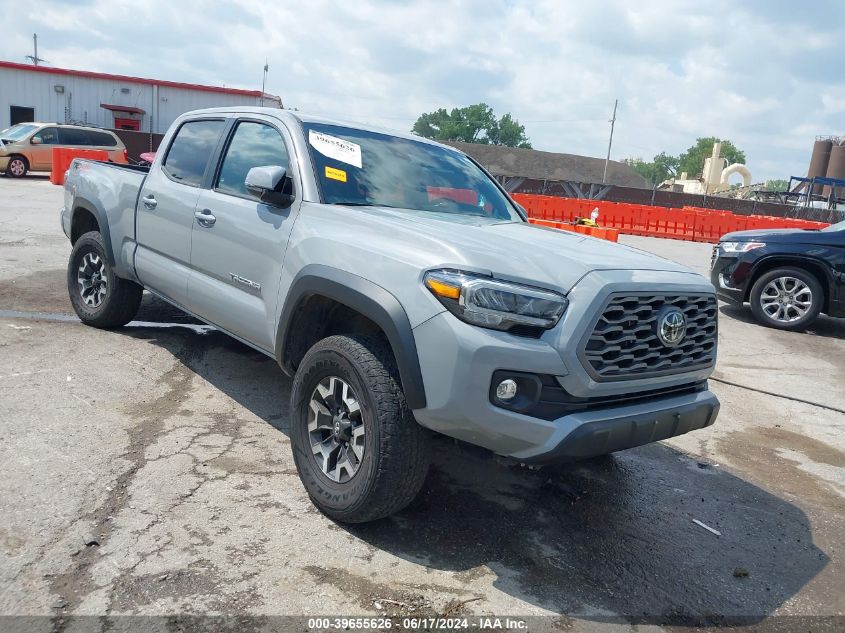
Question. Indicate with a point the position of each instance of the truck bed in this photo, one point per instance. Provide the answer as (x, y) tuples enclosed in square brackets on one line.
[(110, 191)]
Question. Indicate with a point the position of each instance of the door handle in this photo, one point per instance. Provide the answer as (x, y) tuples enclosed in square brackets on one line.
[(205, 217), (149, 202)]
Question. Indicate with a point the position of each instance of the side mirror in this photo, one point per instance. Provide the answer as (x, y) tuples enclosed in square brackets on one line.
[(267, 183), (35, 140)]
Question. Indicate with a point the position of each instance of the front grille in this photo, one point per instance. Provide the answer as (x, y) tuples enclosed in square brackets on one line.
[(624, 342)]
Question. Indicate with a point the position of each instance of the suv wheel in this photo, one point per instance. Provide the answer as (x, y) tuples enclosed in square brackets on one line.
[(358, 450), (17, 167), (98, 296), (786, 298)]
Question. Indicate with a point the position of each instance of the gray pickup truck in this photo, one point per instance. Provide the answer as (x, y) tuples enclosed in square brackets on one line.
[(403, 290)]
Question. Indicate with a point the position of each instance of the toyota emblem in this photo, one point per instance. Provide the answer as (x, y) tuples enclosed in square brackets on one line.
[(671, 327)]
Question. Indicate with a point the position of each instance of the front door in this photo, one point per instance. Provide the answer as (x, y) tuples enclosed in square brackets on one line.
[(41, 151), (166, 209), (238, 243)]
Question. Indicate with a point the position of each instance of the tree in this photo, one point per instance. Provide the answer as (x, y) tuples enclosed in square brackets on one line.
[(692, 160), (663, 167), (776, 185), (472, 124)]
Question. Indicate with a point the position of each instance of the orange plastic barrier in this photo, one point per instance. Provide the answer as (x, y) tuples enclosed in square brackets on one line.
[(63, 157), (687, 223), (602, 233)]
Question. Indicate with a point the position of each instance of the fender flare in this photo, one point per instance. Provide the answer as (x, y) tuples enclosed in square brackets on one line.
[(370, 300), (794, 259), (102, 222)]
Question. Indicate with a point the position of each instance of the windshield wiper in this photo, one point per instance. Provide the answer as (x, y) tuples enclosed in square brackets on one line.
[(366, 204)]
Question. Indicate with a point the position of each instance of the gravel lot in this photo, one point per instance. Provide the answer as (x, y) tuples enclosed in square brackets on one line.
[(164, 447)]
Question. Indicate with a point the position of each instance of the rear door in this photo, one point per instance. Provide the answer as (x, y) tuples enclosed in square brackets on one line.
[(166, 208), (74, 137), (238, 242)]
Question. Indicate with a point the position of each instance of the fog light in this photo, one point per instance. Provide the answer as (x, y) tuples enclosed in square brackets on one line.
[(506, 390)]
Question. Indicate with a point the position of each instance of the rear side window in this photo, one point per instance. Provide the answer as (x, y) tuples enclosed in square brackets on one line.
[(190, 150), (252, 145), (73, 136), (102, 139)]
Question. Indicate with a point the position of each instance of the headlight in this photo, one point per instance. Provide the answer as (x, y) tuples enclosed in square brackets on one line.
[(740, 247), (495, 304)]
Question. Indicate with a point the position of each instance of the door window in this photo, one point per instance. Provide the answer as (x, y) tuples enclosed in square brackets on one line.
[(189, 152), (48, 136), (252, 145)]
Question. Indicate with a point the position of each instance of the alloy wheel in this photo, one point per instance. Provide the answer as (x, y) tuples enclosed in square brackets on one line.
[(17, 167), (92, 279), (336, 429), (786, 299)]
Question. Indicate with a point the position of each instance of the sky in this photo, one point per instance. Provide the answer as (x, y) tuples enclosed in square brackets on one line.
[(765, 74)]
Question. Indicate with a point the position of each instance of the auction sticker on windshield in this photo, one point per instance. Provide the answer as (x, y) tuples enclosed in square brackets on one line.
[(335, 174), (337, 148)]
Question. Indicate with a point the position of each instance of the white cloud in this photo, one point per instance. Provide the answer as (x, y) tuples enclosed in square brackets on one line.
[(758, 73)]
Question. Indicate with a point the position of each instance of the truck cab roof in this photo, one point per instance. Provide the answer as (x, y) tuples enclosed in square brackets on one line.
[(302, 117)]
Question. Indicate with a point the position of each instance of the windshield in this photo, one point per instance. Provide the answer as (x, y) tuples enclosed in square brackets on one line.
[(17, 132), (839, 226), (358, 167)]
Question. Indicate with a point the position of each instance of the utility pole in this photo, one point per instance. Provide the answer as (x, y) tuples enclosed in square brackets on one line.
[(610, 142), (264, 81), (34, 58)]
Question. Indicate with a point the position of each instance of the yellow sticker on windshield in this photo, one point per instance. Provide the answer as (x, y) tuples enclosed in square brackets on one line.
[(336, 174)]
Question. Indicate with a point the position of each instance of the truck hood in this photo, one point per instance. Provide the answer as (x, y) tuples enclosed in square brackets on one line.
[(517, 251)]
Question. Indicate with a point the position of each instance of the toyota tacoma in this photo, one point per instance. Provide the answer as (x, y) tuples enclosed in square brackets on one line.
[(402, 289)]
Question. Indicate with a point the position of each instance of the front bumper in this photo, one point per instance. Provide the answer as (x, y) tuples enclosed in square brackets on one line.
[(731, 273), (458, 361), (591, 433), (4, 162)]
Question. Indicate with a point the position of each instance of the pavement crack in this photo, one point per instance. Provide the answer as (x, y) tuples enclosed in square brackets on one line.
[(75, 584)]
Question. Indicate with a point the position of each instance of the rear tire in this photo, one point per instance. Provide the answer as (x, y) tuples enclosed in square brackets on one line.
[(100, 298), (17, 167), (786, 298), (379, 463)]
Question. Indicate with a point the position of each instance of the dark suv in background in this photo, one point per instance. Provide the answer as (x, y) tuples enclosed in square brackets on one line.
[(789, 276)]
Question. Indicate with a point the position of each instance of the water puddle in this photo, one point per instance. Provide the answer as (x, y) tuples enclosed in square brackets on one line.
[(70, 318)]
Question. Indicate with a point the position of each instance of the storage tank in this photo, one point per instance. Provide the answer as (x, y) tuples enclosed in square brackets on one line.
[(836, 169), (819, 162)]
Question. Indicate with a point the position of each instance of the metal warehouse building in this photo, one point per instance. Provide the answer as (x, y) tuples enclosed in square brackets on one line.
[(42, 93)]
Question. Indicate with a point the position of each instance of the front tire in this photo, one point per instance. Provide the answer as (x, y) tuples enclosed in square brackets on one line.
[(100, 298), (17, 167), (359, 452), (786, 299)]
